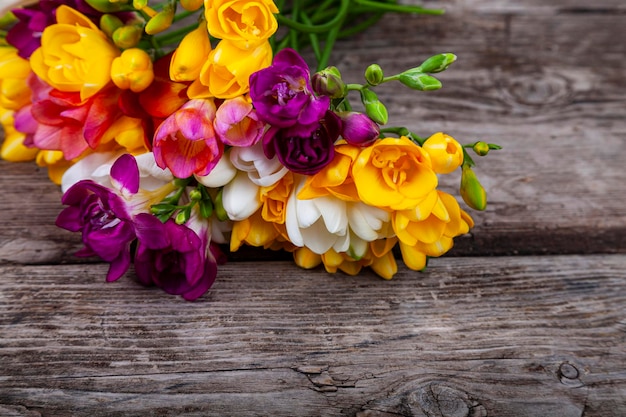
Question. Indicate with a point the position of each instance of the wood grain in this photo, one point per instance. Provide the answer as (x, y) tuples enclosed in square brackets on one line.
[(470, 337), (504, 336)]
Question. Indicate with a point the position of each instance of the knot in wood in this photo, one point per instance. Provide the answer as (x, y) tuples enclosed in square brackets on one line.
[(438, 400)]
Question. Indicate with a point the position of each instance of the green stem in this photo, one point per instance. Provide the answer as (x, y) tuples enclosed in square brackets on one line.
[(398, 7), (341, 14), (315, 42), (175, 35), (328, 47)]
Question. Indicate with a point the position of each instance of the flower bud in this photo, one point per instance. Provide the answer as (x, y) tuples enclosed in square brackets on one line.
[(358, 129), (374, 74), (481, 148), (417, 80), (110, 23), (373, 107), (446, 154), (107, 6), (328, 82), (140, 4), (161, 21), (132, 70), (472, 191), (191, 5), (220, 212), (305, 258), (126, 37), (437, 63), (195, 195)]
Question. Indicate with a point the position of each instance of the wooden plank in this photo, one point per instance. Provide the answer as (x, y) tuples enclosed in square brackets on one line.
[(518, 336)]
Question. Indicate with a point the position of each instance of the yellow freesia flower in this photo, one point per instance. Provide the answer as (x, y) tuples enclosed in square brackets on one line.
[(254, 231), (75, 56), (132, 70), (246, 23), (227, 71), (190, 55), (274, 199), (432, 236), (14, 70), (335, 178), (446, 154), (128, 133), (13, 148), (56, 164), (394, 174)]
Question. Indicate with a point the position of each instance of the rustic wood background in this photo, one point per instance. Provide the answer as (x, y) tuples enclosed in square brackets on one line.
[(533, 323)]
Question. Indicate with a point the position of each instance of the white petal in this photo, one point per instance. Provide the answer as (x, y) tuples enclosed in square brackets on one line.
[(99, 163), (333, 212), (317, 238), (241, 197), (221, 174), (291, 221), (307, 213)]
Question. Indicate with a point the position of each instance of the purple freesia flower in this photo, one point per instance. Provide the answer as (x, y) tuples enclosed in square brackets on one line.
[(283, 97), (103, 217), (305, 155), (173, 257), (358, 129)]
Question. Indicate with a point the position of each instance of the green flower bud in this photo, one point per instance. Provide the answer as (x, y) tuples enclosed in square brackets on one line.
[(183, 216), (127, 37), (328, 82), (417, 80), (481, 148), (140, 4), (106, 6), (195, 195), (374, 74), (110, 23), (437, 63), (161, 21), (219, 207), (373, 107), (472, 191)]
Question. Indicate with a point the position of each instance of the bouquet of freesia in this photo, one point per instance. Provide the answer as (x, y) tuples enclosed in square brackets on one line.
[(179, 128)]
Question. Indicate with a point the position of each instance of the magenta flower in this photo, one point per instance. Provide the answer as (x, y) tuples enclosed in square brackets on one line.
[(186, 142), (358, 129), (283, 97), (173, 257), (305, 155), (103, 217)]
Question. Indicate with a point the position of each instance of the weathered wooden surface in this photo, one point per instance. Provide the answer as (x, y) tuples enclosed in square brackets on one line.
[(512, 336), (537, 334)]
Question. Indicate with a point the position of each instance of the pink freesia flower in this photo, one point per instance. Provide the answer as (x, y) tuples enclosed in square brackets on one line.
[(186, 142), (236, 123), (61, 121)]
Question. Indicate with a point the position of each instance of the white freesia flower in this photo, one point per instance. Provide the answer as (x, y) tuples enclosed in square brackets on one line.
[(327, 222), (97, 167), (240, 197), (262, 171), (221, 174), (319, 224)]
